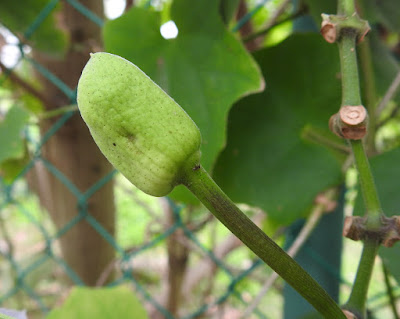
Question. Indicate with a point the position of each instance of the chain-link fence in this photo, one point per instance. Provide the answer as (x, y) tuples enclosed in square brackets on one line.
[(18, 204), (14, 202)]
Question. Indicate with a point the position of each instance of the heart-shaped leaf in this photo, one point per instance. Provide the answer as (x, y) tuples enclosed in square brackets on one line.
[(205, 69), (266, 163)]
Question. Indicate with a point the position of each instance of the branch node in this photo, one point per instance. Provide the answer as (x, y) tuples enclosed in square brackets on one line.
[(350, 122), (333, 27), (356, 228), (329, 204), (328, 31)]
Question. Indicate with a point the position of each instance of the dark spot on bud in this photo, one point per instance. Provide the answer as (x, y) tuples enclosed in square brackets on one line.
[(114, 144)]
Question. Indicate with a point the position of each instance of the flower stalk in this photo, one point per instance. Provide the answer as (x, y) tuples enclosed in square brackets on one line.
[(198, 181)]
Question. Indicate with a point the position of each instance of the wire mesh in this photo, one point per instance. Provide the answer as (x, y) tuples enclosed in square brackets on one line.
[(11, 195), (12, 200)]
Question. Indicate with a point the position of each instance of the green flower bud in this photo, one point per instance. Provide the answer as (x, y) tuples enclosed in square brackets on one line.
[(142, 131)]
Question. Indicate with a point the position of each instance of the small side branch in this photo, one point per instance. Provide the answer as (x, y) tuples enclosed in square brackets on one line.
[(15, 78), (389, 289), (394, 86)]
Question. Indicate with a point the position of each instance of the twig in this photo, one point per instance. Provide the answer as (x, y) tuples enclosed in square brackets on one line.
[(277, 13), (210, 284), (305, 232), (129, 4), (10, 253), (106, 273), (247, 27), (197, 226), (270, 26), (392, 115), (389, 94), (23, 84), (389, 289), (152, 213), (58, 111), (7, 238), (178, 256), (206, 267), (312, 135)]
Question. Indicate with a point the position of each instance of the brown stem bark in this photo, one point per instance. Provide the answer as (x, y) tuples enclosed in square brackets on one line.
[(178, 255), (72, 151), (206, 268), (247, 28)]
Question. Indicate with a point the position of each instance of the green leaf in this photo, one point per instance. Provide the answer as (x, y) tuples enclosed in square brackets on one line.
[(266, 163), (100, 303), (228, 9), (383, 12), (317, 7), (11, 141), (18, 18), (312, 315), (390, 257), (384, 63), (205, 69), (11, 168)]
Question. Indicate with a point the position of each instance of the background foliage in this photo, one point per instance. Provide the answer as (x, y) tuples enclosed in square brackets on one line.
[(262, 106)]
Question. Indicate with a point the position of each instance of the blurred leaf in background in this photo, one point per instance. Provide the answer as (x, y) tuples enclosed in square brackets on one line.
[(20, 17), (205, 69), (266, 162), (13, 152), (100, 303)]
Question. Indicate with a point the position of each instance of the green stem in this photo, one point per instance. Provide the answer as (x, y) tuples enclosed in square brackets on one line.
[(351, 96), (58, 111), (272, 24), (389, 289), (207, 191), (370, 91), (346, 7), (367, 184), (357, 301), (348, 62)]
